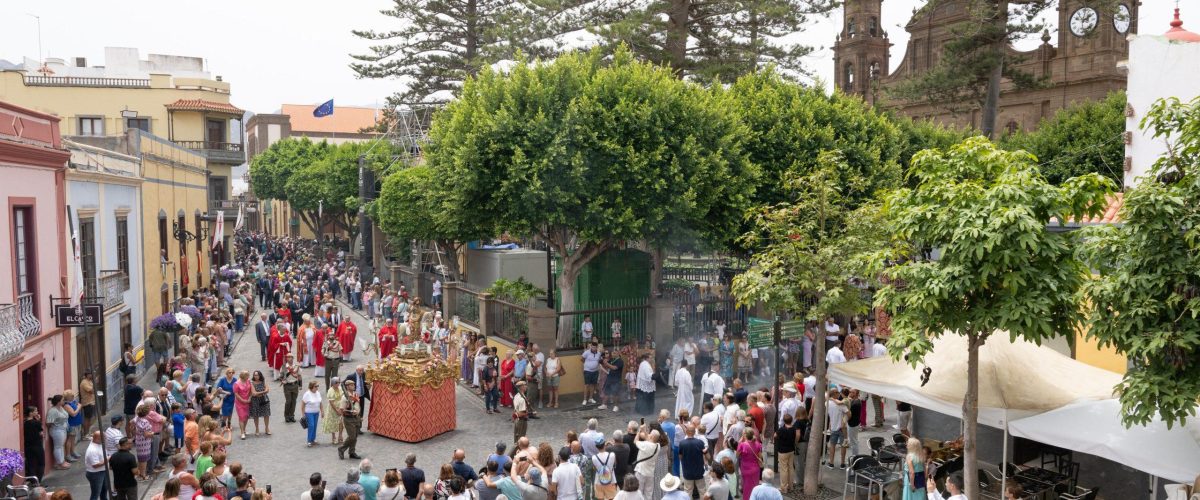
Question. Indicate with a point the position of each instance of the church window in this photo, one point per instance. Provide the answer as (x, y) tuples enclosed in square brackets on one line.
[(874, 25), (874, 70), (848, 77), (850, 28)]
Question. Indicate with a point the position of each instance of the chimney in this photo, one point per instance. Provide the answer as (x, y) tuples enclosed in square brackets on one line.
[(219, 78), (80, 62)]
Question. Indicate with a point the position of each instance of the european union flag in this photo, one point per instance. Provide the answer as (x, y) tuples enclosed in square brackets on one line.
[(325, 109)]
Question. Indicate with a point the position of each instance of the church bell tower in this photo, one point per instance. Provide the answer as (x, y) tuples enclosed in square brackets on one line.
[(860, 53)]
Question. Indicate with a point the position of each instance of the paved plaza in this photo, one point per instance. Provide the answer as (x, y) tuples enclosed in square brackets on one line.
[(283, 461)]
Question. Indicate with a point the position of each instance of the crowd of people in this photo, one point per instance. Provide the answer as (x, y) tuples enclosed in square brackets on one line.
[(291, 293)]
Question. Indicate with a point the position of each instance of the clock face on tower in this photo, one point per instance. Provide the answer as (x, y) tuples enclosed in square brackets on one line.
[(1083, 21), (1121, 19)]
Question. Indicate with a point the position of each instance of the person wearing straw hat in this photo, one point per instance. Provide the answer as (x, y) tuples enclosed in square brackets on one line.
[(520, 412), (670, 487)]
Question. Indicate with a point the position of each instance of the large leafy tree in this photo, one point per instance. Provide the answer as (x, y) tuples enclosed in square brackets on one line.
[(790, 125), (812, 248), (273, 170), (986, 213), (1146, 299), (919, 135), (413, 205), (711, 41), (586, 153), (1085, 137), (437, 44), (326, 191)]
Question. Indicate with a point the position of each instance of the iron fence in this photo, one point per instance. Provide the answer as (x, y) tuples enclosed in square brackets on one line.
[(466, 307), (632, 313), (507, 320)]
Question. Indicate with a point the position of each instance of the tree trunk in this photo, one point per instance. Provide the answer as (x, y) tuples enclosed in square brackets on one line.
[(971, 417), (566, 302), (991, 104), (816, 434), (451, 259), (657, 259), (677, 35), (307, 218)]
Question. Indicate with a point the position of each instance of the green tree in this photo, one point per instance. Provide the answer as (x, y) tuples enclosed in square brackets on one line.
[(587, 152), (986, 212), (272, 171), (709, 41), (1083, 138), (412, 206), (1146, 299), (438, 44), (812, 248), (789, 125), (919, 135)]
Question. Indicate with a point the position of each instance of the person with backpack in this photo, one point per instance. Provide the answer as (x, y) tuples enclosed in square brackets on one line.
[(605, 462)]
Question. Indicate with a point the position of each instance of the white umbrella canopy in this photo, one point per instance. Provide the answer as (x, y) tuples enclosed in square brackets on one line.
[(1016, 379), (1094, 427)]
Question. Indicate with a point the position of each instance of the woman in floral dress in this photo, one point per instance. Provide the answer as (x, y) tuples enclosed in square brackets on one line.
[(726, 355), (143, 433), (333, 407)]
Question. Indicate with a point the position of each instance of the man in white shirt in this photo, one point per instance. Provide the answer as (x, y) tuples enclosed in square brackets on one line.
[(711, 423), (645, 386), (832, 331), (93, 462), (647, 448), (878, 348), (730, 417), (954, 484), (591, 373), (836, 411), (835, 355), (790, 403), (566, 483), (684, 399), (113, 435), (711, 384)]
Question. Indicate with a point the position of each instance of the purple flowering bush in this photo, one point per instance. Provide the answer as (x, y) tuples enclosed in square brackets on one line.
[(197, 317), (11, 462), (165, 323)]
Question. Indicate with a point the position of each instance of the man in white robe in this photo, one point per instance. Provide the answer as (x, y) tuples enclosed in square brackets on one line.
[(684, 400)]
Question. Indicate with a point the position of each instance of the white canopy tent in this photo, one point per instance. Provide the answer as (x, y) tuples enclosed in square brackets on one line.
[(1016, 379), (1094, 427)]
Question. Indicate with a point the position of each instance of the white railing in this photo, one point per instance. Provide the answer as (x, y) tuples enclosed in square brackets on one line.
[(11, 340), (27, 319)]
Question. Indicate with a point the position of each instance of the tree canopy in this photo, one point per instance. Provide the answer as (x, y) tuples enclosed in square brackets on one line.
[(587, 152), (1083, 138), (999, 267), (1146, 300)]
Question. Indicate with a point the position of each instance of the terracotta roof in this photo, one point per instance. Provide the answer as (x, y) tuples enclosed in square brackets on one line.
[(1177, 32), (203, 105), (344, 120), (1112, 212)]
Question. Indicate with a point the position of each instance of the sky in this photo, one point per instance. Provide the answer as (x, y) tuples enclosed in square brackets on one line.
[(297, 51)]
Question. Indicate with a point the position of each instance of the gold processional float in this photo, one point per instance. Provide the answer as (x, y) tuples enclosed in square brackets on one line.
[(412, 390)]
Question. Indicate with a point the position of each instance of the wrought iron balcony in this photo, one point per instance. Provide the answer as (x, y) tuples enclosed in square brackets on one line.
[(81, 81), (12, 342), (112, 285), (222, 152), (230, 207), (27, 320)]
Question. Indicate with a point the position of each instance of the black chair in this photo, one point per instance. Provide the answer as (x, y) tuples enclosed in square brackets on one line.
[(1058, 457), (899, 440), (890, 457), (1072, 474), (857, 463), (1078, 493), (876, 443)]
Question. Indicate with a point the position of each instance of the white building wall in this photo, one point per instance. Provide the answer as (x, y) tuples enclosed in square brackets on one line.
[(1158, 68)]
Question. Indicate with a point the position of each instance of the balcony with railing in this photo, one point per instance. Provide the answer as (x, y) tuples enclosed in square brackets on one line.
[(11, 339), (230, 207), (80, 81), (27, 320), (112, 285), (222, 152)]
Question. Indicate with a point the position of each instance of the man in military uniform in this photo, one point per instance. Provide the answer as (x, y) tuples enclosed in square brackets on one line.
[(351, 420), (520, 412), (291, 388)]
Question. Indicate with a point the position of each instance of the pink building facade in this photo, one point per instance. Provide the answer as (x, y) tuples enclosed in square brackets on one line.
[(34, 355)]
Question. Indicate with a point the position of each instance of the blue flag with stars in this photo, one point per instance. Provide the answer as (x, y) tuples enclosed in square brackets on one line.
[(325, 109)]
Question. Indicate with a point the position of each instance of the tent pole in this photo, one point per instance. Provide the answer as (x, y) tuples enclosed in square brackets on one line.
[(1153, 485), (1004, 458)]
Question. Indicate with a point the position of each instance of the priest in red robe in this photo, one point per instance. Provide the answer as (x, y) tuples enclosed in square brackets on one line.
[(278, 347), (388, 339), (346, 333)]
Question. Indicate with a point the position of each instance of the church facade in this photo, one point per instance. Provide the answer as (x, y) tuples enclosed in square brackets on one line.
[(1083, 66)]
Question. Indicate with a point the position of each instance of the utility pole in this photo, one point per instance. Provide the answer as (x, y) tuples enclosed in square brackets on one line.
[(366, 193)]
